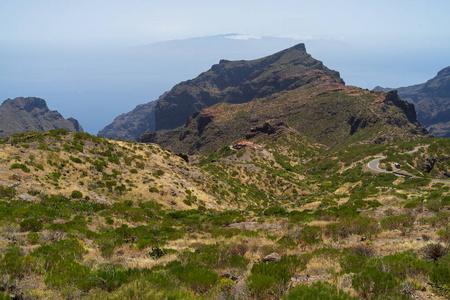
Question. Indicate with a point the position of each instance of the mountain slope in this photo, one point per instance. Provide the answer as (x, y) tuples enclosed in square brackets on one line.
[(432, 102), (130, 125), (332, 115), (60, 162), (240, 82), (32, 114)]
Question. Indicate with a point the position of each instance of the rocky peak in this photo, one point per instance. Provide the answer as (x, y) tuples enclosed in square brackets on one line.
[(28, 104), (444, 72), (24, 114), (241, 82), (408, 108)]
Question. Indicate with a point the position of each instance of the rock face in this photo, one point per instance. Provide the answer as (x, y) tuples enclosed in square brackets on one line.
[(32, 114), (240, 82), (432, 102), (133, 124), (329, 114)]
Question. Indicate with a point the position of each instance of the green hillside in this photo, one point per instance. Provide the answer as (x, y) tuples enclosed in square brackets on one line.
[(84, 217)]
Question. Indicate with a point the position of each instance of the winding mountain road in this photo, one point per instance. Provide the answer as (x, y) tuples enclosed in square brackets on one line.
[(373, 165)]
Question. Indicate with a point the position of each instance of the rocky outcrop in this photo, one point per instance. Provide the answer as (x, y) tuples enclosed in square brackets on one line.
[(32, 114), (432, 102), (428, 164), (240, 82), (269, 128)]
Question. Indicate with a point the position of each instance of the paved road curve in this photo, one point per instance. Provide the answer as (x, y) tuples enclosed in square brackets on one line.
[(373, 165)]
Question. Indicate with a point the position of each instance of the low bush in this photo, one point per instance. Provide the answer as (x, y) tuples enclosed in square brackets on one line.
[(197, 278), (157, 252), (401, 222), (33, 238), (7, 192), (310, 234), (275, 211), (433, 251), (317, 291), (268, 280), (371, 283), (76, 195), (31, 225), (20, 166)]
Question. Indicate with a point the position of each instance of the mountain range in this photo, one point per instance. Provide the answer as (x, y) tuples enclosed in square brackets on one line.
[(432, 102)]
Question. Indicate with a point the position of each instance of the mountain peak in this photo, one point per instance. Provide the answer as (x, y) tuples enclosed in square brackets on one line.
[(444, 72), (26, 103), (298, 47), (24, 114), (240, 82)]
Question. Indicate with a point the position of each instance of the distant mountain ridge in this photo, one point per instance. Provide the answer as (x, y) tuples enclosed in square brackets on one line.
[(32, 114), (432, 102)]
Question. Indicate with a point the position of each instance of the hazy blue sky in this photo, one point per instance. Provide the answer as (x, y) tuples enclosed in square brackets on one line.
[(134, 22)]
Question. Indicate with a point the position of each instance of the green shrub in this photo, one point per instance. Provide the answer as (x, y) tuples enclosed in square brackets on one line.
[(4, 297), (404, 264), (311, 234), (367, 227), (197, 278), (14, 263), (109, 221), (371, 282), (317, 291), (275, 211), (268, 280), (7, 192), (76, 195), (20, 166), (433, 204), (76, 160), (31, 225), (107, 250), (440, 279), (33, 238), (153, 190), (401, 222), (66, 250), (108, 277), (65, 273), (158, 173), (287, 242), (337, 231), (157, 252)]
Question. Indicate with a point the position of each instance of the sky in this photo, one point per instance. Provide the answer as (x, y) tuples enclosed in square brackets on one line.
[(147, 21), (79, 55)]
